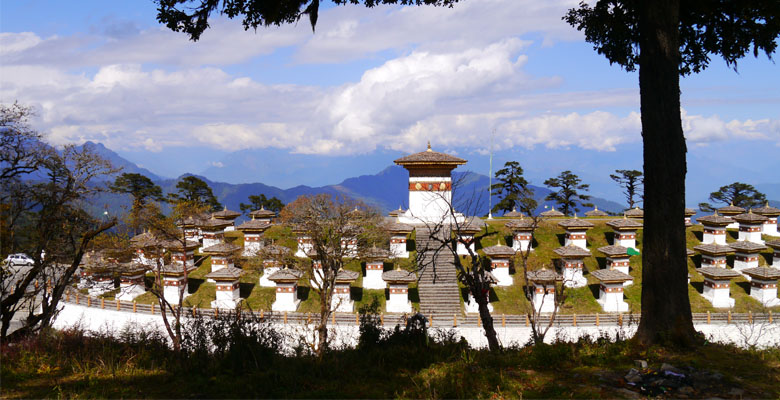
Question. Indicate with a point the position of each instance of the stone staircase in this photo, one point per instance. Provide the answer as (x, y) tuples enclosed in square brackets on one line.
[(438, 285)]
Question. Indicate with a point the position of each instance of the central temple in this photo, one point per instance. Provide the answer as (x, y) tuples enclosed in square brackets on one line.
[(430, 187)]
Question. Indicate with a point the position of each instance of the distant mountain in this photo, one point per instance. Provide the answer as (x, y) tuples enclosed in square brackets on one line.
[(118, 161), (386, 190)]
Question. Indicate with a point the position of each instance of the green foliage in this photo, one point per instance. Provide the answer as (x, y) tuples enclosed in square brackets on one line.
[(632, 182), (192, 189), (139, 186), (261, 202), (567, 196), (738, 194), (724, 28), (514, 189), (192, 17)]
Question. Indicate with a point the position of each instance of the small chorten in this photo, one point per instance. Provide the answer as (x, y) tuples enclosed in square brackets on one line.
[(746, 255), (522, 233), (771, 213), (730, 211), (716, 286), (750, 226), (713, 255), (544, 289), (398, 282), (398, 236), (775, 245), (466, 231), (375, 266), (272, 261), (228, 216), (763, 285), (341, 300), (611, 289), (553, 213), (714, 228), (617, 259), (514, 214), (226, 280), (689, 213), (625, 231), (595, 212), (253, 235), (286, 281), (263, 215), (500, 258), (635, 213), (575, 231), (213, 231), (572, 264)]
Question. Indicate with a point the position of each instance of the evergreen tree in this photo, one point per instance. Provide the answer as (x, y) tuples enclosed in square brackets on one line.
[(567, 196), (514, 189), (632, 183), (194, 190), (739, 194), (258, 202)]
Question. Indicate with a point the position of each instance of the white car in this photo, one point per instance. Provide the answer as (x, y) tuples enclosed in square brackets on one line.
[(19, 259)]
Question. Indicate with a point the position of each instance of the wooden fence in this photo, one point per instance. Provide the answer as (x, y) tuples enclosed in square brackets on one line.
[(437, 320)]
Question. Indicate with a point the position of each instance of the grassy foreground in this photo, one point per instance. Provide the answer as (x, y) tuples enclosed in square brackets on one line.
[(75, 365)]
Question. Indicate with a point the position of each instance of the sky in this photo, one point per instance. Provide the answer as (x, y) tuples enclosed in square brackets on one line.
[(286, 106)]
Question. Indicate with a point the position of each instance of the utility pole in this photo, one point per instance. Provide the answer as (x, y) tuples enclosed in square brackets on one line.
[(490, 178)]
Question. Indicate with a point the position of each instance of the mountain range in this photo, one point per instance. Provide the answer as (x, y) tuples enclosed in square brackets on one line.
[(386, 190)]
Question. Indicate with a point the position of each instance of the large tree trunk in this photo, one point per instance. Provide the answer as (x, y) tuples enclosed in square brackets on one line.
[(666, 309)]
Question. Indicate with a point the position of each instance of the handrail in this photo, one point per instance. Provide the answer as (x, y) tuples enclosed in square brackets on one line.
[(439, 320)]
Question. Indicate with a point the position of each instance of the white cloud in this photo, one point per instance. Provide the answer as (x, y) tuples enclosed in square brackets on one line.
[(217, 164), (702, 130)]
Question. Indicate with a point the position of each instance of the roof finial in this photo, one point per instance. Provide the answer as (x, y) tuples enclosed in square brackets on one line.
[(429, 146), (595, 208), (225, 208)]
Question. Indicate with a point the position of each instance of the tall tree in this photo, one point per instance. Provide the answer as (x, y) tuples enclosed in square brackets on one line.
[(567, 196), (258, 202), (739, 194), (513, 188), (47, 215), (666, 39), (330, 221), (141, 188), (632, 183), (194, 190)]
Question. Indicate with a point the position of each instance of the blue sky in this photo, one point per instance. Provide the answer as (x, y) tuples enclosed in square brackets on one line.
[(287, 107)]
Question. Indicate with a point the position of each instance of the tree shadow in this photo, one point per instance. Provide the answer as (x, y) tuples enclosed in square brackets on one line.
[(699, 286), (768, 258), (561, 238), (594, 289), (411, 245), (696, 258), (193, 284), (303, 293), (414, 295), (745, 286), (509, 240), (464, 294), (602, 262), (610, 236), (356, 293), (492, 296), (245, 289), (388, 266), (734, 234), (363, 269), (699, 235)]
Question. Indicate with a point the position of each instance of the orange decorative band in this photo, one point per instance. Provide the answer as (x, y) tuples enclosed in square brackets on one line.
[(212, 235), (523, 237), (177, 282), (227, 288), (716, 285), (285, 289), (574, 236), (713, 261), (375, 266), (131, 280), (397, 240), (399, 291), (616, 289), (750, 229), (745, 259), (763, 285), (714, 231), (540, 290), (253, 238), (341, 290), (625, 236), (499, 264), (617, 263), (574, 265), (219, 261), (430, 186)]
